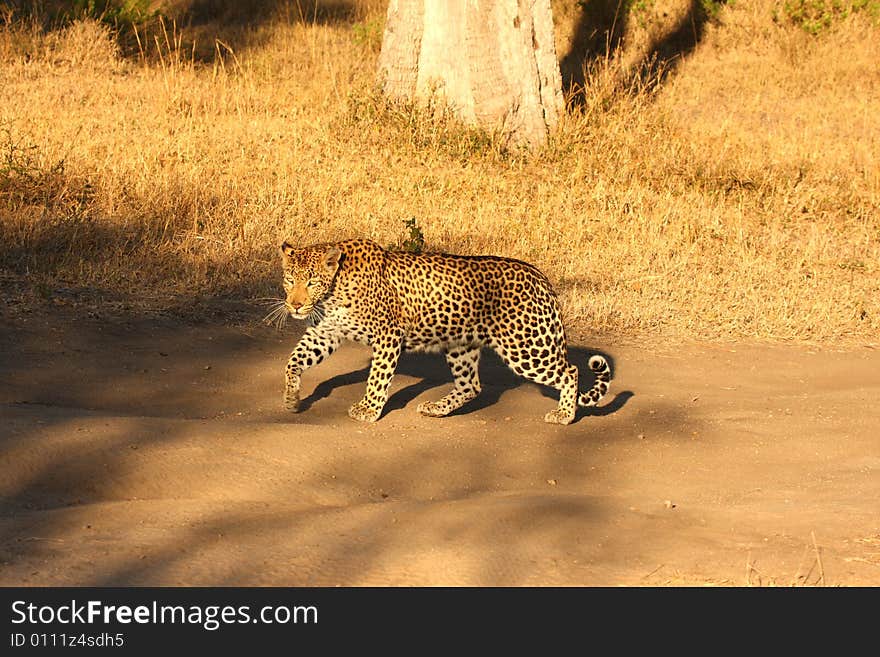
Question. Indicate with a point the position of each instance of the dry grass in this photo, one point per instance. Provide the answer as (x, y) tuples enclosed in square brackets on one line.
[(733, 192)]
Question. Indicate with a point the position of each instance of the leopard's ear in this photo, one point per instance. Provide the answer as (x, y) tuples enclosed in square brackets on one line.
[(287, 249), (332, 258)]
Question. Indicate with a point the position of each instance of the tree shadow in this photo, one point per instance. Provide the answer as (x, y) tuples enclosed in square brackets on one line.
[(600, 32), (667, 51)]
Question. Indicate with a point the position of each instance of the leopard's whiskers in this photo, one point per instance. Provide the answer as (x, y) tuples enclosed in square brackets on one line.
[(277, 314), (316, 315)]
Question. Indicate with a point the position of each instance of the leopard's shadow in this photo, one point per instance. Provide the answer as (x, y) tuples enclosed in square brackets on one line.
[(495, 376)]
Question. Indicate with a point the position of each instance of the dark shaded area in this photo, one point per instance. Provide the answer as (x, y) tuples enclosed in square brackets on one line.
[(52, 14), (249, 12), (217, 26), (601, 30), (667, 51), (34, 273), (206, 29), (60, 228)]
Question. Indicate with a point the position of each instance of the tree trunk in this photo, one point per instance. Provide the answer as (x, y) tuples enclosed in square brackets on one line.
[(493, 62)]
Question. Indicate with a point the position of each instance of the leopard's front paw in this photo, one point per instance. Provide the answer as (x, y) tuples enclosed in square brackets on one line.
[(291, 393), (559, 417), (363, 412), (291, 401)]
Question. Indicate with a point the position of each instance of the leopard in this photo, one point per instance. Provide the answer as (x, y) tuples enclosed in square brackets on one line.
[(396, 301)]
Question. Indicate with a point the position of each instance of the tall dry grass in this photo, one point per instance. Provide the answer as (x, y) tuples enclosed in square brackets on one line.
[(732, 192)]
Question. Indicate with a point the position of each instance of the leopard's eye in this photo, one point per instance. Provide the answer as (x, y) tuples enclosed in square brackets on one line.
[(313, 283)]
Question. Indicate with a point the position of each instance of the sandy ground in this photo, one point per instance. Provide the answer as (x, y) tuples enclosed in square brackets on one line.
[(156, 452)]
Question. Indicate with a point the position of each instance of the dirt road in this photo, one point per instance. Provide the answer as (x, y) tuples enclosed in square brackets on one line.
[(156, 452)]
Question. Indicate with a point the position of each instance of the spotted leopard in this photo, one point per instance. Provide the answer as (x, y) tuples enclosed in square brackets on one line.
[(396, 301)]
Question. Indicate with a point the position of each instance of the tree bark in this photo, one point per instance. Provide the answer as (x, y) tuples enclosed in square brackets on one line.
[(493, 62)]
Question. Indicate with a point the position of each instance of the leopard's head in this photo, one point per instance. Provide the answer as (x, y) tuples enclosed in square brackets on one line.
[(308, 276)]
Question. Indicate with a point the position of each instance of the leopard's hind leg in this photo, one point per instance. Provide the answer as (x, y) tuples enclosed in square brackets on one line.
[(544, 361)]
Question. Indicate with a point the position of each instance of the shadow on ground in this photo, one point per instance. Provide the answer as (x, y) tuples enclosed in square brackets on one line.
[(495, 376)]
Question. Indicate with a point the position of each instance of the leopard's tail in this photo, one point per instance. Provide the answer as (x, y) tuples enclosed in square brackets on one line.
[(603, 379)]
